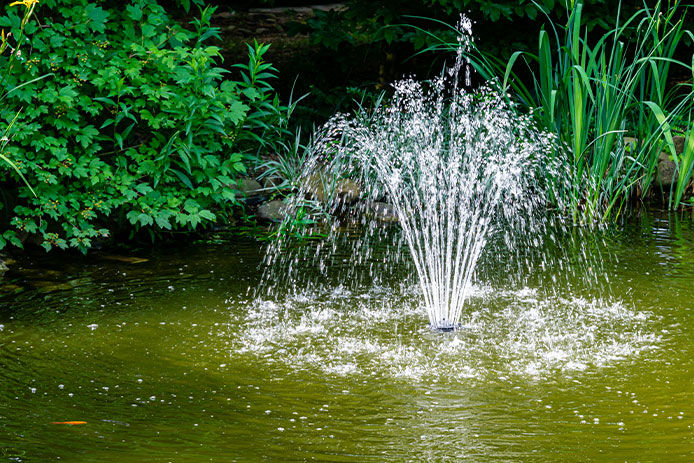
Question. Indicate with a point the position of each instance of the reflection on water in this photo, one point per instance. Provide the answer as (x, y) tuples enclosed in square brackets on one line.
[(173, 359)]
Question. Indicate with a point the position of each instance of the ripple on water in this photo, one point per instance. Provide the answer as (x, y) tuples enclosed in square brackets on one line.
[(504, 333)]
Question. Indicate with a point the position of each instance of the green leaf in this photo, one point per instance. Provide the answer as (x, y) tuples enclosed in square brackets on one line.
[(145, 219), (148, 30), (191, 206), (134, 12), (97, 17), (205, 214), (144, 188), (163, 219), (183, 177), (86, 135), (237, 111), (105, 100), (664, 126)]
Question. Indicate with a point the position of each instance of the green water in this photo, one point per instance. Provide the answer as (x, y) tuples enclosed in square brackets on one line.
[(173, 360)]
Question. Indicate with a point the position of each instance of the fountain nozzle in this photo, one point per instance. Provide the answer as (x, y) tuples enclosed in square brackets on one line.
[(446, 328)]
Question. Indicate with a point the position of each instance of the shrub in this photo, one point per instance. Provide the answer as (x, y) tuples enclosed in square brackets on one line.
[(137, 127)]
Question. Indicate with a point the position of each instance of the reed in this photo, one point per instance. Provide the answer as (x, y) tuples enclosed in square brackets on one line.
[(593, 92)]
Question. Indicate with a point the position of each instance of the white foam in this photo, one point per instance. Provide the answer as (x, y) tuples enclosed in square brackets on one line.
[(507, 333)]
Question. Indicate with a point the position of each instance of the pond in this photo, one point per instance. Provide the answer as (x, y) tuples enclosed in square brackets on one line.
[(172, 358)]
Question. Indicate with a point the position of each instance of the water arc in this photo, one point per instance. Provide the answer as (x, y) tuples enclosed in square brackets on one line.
[(457, 167)]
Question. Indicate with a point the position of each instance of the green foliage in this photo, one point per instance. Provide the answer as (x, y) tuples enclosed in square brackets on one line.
[(685, 168), (592, 93), (137, 128), (15, 54), (285, 167), (186, 4)]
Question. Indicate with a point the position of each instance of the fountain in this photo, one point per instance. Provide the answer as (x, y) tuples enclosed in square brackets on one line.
[(457, 168)]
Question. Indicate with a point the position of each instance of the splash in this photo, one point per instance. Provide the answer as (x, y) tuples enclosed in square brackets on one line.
[(456, 168), (507, 335)]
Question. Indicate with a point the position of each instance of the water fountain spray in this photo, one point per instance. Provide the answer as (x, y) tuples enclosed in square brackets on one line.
[(458, 167)]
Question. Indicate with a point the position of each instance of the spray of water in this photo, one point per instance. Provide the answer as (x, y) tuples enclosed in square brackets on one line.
[(458, 168)]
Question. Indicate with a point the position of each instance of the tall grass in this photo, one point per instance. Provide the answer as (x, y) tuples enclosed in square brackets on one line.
[(685, 167), (592, 92)]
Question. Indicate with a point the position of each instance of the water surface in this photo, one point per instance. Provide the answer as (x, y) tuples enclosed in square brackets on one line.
[(173, 359)]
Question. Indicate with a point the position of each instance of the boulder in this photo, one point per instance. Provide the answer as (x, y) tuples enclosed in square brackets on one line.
[(383, 212), (666, 174), (271, 211), (346, 191), (124, 259), (250, 191), (273, 183), (315, 186), (249, 187), (679, 144)]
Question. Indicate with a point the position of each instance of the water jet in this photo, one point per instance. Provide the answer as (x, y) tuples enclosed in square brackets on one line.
[(459, 168)]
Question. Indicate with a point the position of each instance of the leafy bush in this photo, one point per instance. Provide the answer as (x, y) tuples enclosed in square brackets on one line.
[(137, 127), (15, 54)]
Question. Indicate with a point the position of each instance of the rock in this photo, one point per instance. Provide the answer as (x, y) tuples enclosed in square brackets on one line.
[(11, 288), (46, 286), (667, 171), (270, 183), (666, 175), (3, 266), (250, 191), (271, 211), (679, 144), (40, 273), (314, 185), (631, 142), (125, 259), (249, 187), (345, 191), (383, 212)]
